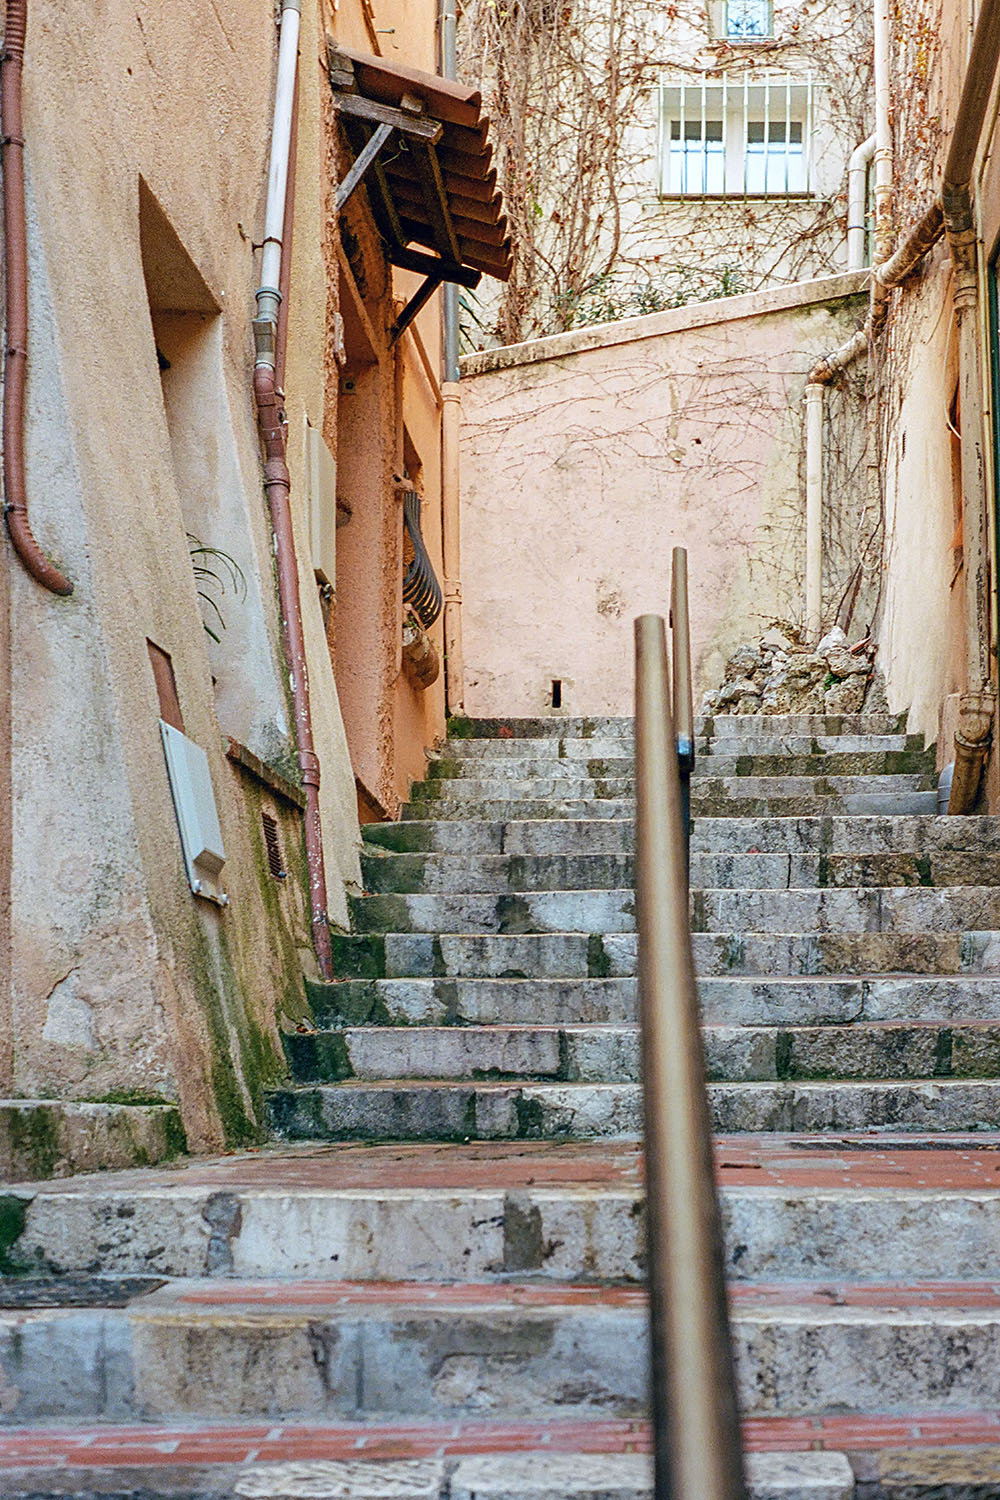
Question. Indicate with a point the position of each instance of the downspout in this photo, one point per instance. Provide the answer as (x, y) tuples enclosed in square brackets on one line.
[(451, 417), (857, 195), (15, 241), (277, 480), (814, 508), (977, 704), (883, 135)]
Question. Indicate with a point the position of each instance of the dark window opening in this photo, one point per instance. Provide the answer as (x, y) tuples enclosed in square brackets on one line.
[(556, 692)]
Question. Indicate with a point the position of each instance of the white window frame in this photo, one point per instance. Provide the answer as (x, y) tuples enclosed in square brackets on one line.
[(771, 101), (743, 37)]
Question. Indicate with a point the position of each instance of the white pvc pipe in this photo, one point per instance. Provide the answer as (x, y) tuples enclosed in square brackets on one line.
[(857, 195), (814, 510), (883, 134), (268, 295)]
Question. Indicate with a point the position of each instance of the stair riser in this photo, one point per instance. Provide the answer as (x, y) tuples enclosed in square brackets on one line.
[(704, 788), (541, 1111), (610, 763), (718, 726), (450, 874), (613, 955), (567, 749), (890, 910), (589, 1054), (859, 804), (725, 1002), (461, 1234), (439, 1363)]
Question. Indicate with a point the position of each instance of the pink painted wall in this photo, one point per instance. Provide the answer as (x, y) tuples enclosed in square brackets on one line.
[(588, 456)]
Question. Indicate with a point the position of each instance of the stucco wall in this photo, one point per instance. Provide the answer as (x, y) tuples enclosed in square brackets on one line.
[(588, 456)]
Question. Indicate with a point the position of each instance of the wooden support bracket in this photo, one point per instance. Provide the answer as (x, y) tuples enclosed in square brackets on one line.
[(421, 296), (361, 165)]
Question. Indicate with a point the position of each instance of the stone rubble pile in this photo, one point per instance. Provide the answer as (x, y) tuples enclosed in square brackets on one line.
[(780, 673)]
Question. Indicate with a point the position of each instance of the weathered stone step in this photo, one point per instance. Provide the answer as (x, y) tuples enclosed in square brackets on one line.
[(707, 788), (730, 1001), (712, 726), (447, 1111), (237, 1464), (286, 1350), (881, 804), (55, 1137), (907, 836), (612, 955), (565, 748), (893, 909), (608, 1054), (742, 763), (859, 1208), (452, 873)]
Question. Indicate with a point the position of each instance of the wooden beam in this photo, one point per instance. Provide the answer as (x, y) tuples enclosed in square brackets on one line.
[(422, 295), (402, 120), (379, 193), (428, 265), (436, 203), (361, 165)]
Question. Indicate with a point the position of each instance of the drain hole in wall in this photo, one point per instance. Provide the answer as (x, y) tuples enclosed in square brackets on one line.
[(274, 860), (557, 692)]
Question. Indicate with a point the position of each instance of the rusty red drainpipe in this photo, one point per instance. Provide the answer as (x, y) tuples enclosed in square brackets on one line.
[(15, 239), (277, 480)]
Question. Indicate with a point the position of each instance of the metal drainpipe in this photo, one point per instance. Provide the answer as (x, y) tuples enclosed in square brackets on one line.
[(883, 134), (857, 182), (978, 703), (277, 480), (15, 238), (451, 418), (814, 508)]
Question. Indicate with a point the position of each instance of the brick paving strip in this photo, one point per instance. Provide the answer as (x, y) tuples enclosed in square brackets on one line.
[(858, 1160), (148, 1446)]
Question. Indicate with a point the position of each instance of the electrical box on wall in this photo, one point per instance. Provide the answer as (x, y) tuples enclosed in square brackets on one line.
[(321, 492), (197, 815)]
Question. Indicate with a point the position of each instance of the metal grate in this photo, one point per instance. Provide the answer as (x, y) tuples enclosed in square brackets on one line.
[(421, 590), (749, 137), (274, 861)]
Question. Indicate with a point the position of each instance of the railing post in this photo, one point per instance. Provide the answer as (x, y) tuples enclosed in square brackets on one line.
[(680, 627), (696, 1433)]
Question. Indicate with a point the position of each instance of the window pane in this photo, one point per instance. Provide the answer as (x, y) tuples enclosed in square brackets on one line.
[(777, 164), (698, 162), (748, 18)]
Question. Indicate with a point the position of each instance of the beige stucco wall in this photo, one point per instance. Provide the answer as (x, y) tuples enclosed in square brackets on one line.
[(588, 456), (122, 981)]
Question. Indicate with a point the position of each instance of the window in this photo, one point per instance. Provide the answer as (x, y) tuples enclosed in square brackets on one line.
[(738, 137), (748, 20)]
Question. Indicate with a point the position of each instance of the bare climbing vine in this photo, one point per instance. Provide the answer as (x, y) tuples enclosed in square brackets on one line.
[(571, 88)]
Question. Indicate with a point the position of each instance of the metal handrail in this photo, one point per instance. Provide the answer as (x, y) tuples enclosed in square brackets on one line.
[(698, 1453), (680, 634)]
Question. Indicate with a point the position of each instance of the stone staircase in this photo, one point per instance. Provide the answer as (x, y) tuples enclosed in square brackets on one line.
[(458, 1312)]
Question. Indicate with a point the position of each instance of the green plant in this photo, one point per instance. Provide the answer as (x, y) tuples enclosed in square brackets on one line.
[(212, 567)]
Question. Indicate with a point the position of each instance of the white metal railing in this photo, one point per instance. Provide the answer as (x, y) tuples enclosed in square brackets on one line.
[(739, 137)]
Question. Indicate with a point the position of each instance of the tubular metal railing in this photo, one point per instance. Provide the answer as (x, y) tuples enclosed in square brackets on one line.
[(698, 1453), (680, 635)]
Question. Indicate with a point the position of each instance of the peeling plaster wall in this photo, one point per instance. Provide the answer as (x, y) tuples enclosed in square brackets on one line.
[(121, 979), (588, 456)]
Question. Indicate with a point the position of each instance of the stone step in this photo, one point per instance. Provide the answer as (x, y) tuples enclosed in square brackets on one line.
[(235, 1463), (726, 1001), (880, 804), (610, 1054), (706, 788), (525, 1110), (454, 873), (526, 768), (807, 1209), (56, 1137), (277, 1351), (893, 909), (612, 955), (566, 748), (717, 725), (907, 836)]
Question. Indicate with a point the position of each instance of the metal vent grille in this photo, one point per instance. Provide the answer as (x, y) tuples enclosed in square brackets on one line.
[(274, 861)]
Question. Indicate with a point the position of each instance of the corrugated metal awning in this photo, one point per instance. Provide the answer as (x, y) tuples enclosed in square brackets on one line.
[(435, 190)]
